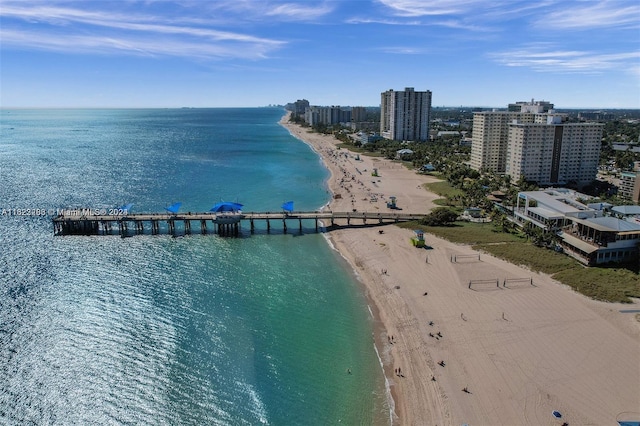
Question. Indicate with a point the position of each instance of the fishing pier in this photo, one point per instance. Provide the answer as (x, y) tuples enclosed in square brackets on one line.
[(83, 222)]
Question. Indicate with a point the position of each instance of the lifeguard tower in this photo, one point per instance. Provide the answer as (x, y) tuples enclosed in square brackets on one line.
[(418, 239), (392, 203)]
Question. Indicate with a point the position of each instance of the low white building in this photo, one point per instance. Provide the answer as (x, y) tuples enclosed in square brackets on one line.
[(601, 240), (403, 153), (585, 233), (552, 209)]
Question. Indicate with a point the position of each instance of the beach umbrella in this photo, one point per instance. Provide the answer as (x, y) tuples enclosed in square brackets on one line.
[(225, 206), (288, 206), (173, 208)]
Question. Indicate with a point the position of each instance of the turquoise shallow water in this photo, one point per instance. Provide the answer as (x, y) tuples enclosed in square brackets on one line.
[(160, 330)]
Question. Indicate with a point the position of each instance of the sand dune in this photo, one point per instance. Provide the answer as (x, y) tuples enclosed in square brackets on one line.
[(520, 351)]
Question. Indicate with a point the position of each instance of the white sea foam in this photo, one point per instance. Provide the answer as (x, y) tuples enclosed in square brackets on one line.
[(387, 388)]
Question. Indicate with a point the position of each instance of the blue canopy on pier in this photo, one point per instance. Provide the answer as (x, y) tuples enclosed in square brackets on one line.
[(225, 206), (288, 206), (126, 208), (173, 208)]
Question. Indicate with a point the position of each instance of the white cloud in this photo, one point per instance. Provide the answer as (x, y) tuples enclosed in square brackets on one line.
[(403, 50), (299, 12), (381, 21), (601, 14), (234, 11), (543, 57), (427, 8), (449, 23), (470, 15), (139, 46), (65, 29)]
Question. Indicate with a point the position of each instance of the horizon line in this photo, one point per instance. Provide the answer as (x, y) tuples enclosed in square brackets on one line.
[(283, 105)]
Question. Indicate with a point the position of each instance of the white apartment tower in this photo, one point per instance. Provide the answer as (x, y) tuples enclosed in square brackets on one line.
[(534, 143), (490, 138), (405, 116), (554, 153)]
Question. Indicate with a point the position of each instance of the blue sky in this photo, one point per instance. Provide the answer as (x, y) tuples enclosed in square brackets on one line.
[(252, 53)]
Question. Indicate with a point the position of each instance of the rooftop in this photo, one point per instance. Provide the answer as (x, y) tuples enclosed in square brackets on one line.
[(610, 224), (558, 199), (627, 210)]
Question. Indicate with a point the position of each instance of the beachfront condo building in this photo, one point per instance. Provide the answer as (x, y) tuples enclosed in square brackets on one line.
[(405, 115), (491, 133), (533, 142), (358, 113), (554, 153), (326, 115), (490, 138), (300, 106)]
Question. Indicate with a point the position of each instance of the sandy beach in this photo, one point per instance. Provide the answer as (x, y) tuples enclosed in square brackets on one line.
[(491, 355)]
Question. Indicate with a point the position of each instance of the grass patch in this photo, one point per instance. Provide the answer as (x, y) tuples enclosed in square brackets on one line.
[(537, 259), (441, 202), (466, 233), (443, 188), (359, 150), (606, 284)]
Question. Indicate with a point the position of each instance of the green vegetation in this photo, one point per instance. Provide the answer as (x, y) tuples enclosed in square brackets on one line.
[(440, 216), (466, 233), (358, 150), (620, 131), (526, 254), (601, 283), (444, 189), (607, 284)]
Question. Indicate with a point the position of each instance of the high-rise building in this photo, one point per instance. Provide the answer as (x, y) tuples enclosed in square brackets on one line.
[(405, 116), (358, 114), (490, 138), (533, 142), (554, 153), (300, 106), (327, 115)]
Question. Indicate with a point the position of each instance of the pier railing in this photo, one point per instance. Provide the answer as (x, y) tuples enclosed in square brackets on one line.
[(83, 223)]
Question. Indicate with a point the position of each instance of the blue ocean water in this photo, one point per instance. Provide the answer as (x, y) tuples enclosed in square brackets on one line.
[(198, 329)]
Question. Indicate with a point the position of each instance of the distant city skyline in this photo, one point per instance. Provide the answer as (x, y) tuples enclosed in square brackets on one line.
[(240, 53)]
